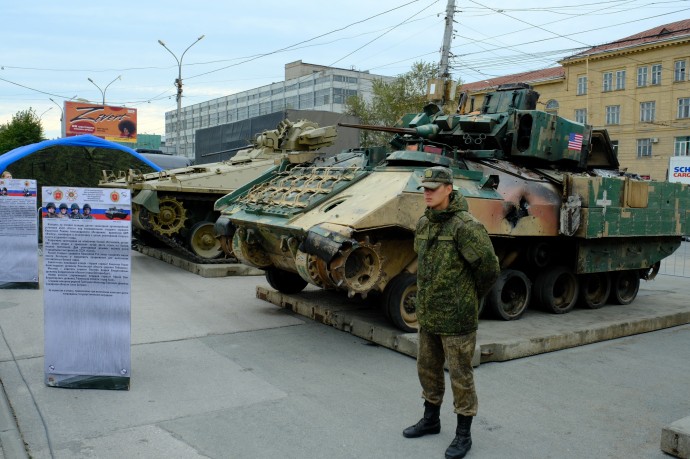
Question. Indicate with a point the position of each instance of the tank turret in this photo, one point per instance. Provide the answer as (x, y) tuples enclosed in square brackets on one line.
[(507, 127)]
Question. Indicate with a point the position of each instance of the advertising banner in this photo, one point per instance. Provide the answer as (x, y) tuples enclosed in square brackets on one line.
[(18, 231), (87, 239), (679, 169), (117, 124)]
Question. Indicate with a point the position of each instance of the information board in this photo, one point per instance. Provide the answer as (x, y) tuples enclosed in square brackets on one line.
[(18, 231), (87, 237)]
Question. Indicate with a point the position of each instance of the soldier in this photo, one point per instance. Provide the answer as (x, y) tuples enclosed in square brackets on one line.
[(457, 266), (50, 210), (74, 212), (86, 212), (63, 211)]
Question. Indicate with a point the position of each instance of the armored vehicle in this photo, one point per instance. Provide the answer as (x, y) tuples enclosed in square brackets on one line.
[(566, 223), (175, 207)]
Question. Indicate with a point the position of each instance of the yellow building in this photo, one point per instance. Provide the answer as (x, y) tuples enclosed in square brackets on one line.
[(638, 88)]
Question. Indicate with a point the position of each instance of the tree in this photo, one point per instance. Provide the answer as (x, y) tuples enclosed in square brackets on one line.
[(390, 101), (24, 129)]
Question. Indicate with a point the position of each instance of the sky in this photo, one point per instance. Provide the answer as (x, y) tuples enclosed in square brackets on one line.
[(53, 48)]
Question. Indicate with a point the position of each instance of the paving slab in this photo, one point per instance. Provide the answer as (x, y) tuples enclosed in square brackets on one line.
[(675, 438), (202, 269), (169, 380), (660, 304)]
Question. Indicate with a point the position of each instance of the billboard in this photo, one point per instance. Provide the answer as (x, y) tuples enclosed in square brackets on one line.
[(118, 124), (679, 169)]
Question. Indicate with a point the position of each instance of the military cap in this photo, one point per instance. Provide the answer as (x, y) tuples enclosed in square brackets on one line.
[(74, 206), (63, 205), (50, 204), (436, 176), (87, 206)]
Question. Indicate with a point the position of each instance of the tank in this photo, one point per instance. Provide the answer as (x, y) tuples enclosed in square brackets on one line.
[(568, 225), (175, 207)]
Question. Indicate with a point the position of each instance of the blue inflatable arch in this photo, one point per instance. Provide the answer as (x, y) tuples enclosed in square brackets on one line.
[(85, 140)]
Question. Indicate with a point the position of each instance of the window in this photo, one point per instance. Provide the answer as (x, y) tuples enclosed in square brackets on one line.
[(647, 111), (642, 76), (679, 71), (581, 115), (278, 105), (340, 95), (306, 84), (644, 148), (278, 90), (614, 146), (264, 108), (290, 87), (292, 102), (581, 85), (620, 79), (656, 74), (682, 146), (552, 107), (322, 97), (306, 100), (607, 82), (613, 114), (684, 107)]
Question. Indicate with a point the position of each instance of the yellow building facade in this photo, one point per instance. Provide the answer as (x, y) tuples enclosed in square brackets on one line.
[(637, 88)]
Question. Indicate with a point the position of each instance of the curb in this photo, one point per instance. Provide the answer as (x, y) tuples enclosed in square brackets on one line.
[(675, 438)]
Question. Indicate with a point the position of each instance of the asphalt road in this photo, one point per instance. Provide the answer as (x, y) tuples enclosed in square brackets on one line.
[(218, 373)]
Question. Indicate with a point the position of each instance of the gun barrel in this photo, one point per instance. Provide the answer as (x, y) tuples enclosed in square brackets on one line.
[(370, 127)]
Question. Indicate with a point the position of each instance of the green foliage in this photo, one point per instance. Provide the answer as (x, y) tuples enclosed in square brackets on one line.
[(406, 94), (24, 129)]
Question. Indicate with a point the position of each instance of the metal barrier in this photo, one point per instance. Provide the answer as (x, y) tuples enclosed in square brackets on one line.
[(678, 264)]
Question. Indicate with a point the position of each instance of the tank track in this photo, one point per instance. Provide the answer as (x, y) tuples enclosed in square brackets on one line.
[(177, 246)]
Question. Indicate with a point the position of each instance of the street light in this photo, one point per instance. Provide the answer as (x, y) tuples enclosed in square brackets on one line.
[(106, 88), (62, 117), (46, 111), (178, 83)]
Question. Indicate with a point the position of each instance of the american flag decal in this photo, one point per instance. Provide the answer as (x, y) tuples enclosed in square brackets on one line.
[(575, 142)]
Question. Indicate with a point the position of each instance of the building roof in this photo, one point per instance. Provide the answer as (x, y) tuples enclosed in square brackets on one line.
[(531, 77), (662, 33)]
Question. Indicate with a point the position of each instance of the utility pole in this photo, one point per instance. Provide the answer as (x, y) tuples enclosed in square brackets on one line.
[(441, 88), (447, 38), (178, 83)]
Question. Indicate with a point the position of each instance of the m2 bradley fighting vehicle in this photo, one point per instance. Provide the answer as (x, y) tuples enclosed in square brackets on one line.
[(175, 206), (566, 223)]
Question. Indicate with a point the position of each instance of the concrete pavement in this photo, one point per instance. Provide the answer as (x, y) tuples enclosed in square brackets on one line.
[(218, 373)]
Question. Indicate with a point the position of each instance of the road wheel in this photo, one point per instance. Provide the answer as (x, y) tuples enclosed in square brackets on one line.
[(203, 242), (594, 289), (509, 296), (556, 289), (624, 286), (400, 298), (285, 281)]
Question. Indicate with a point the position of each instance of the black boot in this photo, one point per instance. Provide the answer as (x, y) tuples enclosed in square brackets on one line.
[(429, 424), (462, 442)]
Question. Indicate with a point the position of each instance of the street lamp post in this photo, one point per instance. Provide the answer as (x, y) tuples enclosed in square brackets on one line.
[(119, 77), (178, 83), (44, 112), (62, 117)]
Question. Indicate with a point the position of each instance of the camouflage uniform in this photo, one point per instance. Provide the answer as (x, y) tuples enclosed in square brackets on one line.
[(457, 266)]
